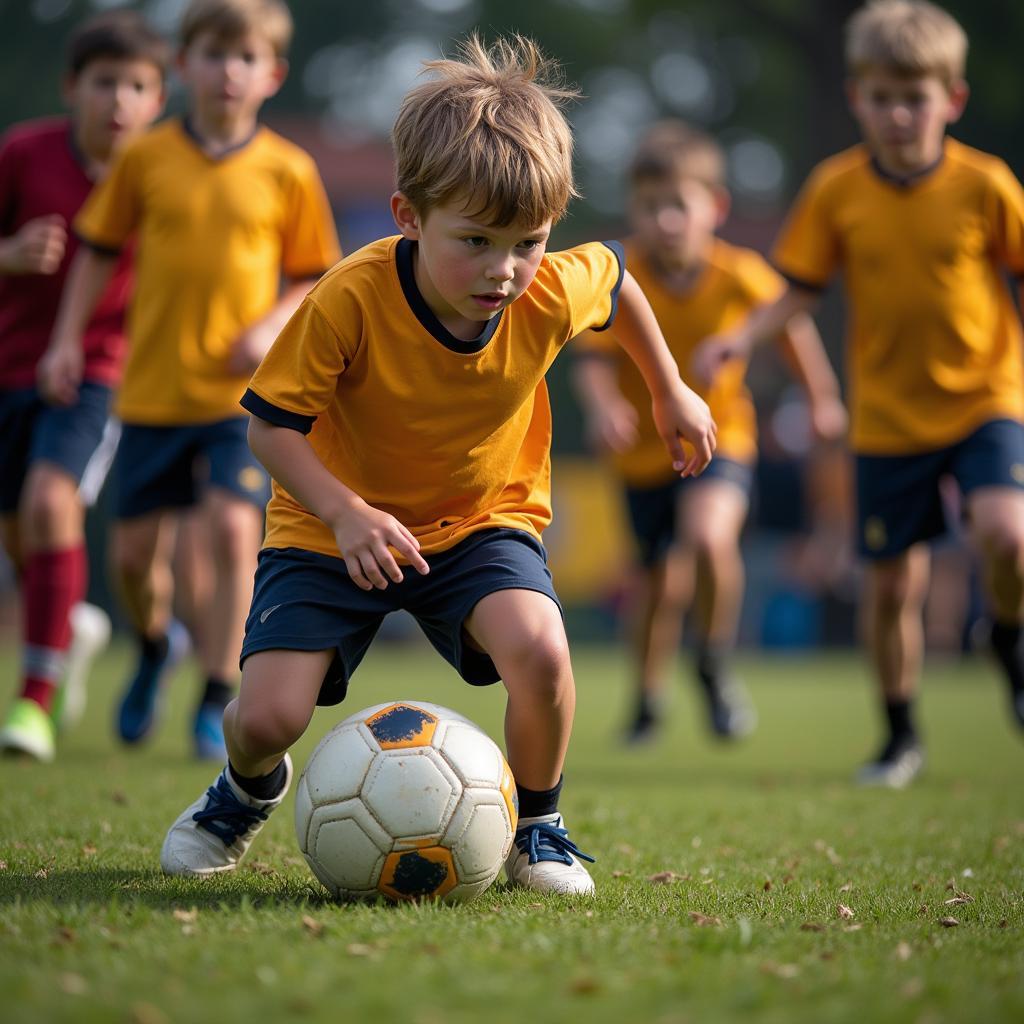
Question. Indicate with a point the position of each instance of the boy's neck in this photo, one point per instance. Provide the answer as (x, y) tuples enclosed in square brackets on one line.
[(902, 170), (678, 278), (217, 135), (94, 159)]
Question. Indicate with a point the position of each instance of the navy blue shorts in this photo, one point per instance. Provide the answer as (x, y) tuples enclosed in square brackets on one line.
[(654, 511), (31, 431), (898, 499), (169, 467), (304, 601)]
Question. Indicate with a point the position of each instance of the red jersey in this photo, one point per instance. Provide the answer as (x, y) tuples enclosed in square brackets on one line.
[(41, 173)]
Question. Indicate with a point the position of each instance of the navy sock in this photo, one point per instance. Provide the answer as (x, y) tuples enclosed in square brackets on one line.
[(901, 726), (711, 663), (1008, 647), (217, 692), (262, 787), (154, 648), (533, 803)]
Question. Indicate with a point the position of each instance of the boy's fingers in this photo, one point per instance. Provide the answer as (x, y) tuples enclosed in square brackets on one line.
[(355, 571), (371, 570), (387, 562), (406, 544)]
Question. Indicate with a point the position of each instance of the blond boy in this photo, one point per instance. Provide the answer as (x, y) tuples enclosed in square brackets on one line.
[(404, 418), (923, 229), (687, 531), (223, 209)]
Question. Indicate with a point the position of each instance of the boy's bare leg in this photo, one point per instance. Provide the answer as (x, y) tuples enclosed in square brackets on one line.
[(193, 579), (212, 834), (522, 631), (997, 523), (893, 604)]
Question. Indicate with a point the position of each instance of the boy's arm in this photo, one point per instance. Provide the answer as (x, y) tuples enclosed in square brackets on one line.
[(363, 533), (611, 419), (255, 341), (37, 247), (678, 411), (767, 321), (801, 347), (60, 370)]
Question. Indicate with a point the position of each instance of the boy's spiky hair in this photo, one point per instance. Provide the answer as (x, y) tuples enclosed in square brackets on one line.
[(229, 19), (119, 35), (675, 149), (910, 37), (488, 128)]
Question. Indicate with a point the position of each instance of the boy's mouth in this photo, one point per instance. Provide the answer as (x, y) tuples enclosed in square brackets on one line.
[(490, 300)]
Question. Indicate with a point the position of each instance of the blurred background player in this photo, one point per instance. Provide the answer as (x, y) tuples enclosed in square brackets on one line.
[(224, 208), (687, 530), (923, 229), (114, 88)]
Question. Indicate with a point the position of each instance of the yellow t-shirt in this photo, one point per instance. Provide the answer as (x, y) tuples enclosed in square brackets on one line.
[(448, 436), (732, 282), (214, 238), (934, 346)]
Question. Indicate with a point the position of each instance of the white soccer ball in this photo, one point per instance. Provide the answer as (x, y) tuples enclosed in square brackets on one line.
[(408, 800)]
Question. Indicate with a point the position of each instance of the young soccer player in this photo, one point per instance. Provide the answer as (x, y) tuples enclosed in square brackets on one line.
[(404, 418), (923, 229), (687, 531), (114, 88), (223, 208)]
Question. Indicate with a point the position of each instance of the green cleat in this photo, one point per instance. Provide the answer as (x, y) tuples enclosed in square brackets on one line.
[(28, 730)]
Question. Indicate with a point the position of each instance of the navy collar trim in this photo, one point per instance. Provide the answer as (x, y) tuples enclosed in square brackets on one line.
[(906, 181), (190, 131), (428, 319)]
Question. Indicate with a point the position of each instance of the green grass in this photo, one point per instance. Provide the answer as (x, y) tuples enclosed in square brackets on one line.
[(766, 839)]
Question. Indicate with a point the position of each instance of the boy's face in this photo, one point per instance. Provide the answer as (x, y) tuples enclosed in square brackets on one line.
[(675, 218), (466, 269), (111, 100), (229, 79), (903, 118)]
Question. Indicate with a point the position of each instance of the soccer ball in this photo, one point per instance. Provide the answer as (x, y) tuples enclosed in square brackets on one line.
[(407, 800)]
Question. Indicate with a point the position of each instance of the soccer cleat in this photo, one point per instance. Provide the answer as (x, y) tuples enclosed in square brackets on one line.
[(896, 766), (730, 713), (213, 834), (643, 729), (29, 731), (138, 708), (90, 634), (545, 859), (208, 732)]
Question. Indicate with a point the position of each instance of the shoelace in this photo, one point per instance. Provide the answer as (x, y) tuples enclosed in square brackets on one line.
[(545, 842), (225, 815)]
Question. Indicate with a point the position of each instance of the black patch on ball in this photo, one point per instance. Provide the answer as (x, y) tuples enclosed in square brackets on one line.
[(417, 876), (400, 723)]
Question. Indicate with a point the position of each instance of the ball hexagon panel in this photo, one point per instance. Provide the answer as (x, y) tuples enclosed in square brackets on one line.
[(303, 811), (412, 793), (473, 755), (341, 851), (338, 766), (402, 725), (479, 836)]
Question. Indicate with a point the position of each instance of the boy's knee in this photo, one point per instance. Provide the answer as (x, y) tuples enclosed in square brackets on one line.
[(47, 504), (1004, 545), (261, 729), (540, 660), (234, 532), (894, 590)]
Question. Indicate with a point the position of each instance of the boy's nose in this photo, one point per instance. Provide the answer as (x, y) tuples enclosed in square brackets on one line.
[(501, 270)]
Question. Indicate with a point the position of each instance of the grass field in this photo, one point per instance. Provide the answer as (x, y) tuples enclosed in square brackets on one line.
[(720, 876)]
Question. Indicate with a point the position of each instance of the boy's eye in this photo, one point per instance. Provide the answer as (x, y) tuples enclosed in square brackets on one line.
[(475, 241)]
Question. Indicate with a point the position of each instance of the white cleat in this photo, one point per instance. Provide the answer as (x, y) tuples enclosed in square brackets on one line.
[(213, 834), (545, 859), (895, 768), (90, 634)]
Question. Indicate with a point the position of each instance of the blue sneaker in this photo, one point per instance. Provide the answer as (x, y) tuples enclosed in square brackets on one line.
[(208, 733), (139, 706), (545, 859)]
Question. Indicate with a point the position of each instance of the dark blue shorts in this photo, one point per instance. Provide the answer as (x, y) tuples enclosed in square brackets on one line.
[(898, 499), (31, 431), (304, 601), (169, 467), (653, 511)]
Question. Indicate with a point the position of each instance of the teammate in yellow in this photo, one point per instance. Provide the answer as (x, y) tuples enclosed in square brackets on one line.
[(404, 419), (687, 531), (222, 209), (923, 229)]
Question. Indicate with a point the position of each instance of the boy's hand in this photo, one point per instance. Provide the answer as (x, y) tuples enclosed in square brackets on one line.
[(612, 426), (686, 415), (364, 535), (59, 373), (37, 247), (249, 349), (713, 353), (828, 419)]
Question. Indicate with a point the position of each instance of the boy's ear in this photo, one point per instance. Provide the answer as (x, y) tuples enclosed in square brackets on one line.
[(67, 89), (723, 203), (407, 219), (959, 91), (278, 75), (850, 88)]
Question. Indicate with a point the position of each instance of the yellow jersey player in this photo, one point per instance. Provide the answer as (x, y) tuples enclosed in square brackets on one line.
[(687, 531), (222, 209), (923, 230), (404, 418)]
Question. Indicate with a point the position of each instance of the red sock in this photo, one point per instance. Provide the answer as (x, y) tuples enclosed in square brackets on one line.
[(52, 583)]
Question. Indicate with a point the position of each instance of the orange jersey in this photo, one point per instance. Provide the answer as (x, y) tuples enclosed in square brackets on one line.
[(214, 238), (732, 282), (448, 436), (935, 343)]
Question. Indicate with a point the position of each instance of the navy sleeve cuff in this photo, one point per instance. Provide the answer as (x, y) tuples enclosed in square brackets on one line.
[(620, 255), (103, 250), (799, 282), (263, 410)]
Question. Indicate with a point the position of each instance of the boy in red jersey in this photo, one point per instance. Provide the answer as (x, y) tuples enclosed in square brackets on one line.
[(114, 89), (923, 229)]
